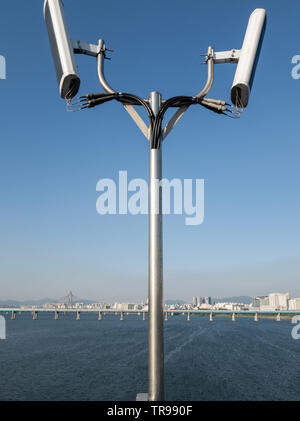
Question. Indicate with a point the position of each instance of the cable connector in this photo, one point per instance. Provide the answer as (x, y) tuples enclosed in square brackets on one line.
[(214, 107), (89, 101), (216, 101)]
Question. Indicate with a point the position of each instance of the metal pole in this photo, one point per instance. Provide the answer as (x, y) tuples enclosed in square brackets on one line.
[(156, 339)]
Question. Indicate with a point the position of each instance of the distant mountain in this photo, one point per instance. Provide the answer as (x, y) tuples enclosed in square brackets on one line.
[(15, 303), (12, 303), (244, 299)]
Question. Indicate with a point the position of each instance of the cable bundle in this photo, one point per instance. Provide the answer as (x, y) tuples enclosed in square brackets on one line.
[(155, 122)]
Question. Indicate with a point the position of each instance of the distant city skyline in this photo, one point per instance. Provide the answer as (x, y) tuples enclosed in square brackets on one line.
[(273, 302), (196, 301)]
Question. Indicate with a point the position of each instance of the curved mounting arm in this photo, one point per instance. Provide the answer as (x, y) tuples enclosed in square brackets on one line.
[(100, 66), (176, 117), (103, 82), (210, 73), (209, 81), (108, 89)]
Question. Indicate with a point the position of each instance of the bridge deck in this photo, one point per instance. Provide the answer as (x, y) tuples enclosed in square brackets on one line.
[(84, 310)]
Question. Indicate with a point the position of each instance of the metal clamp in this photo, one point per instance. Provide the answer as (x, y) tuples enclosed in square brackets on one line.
[(80, 47), (230, 56)]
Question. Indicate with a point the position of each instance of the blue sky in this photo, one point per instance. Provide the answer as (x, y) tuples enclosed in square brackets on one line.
[(53, 240)]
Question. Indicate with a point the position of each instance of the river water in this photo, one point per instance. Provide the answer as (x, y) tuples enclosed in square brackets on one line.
[(106, 360)]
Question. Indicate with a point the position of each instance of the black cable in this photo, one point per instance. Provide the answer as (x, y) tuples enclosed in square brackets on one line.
[(92, 100), (216, 106), (138, 100), (177, 101), (155, 122), (147, 107)]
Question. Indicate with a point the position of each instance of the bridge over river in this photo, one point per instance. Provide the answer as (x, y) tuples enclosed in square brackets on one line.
[(167, 313)]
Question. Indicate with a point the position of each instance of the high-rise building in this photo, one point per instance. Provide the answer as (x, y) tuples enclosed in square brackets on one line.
[(279, 301), (199, 301), (207, 300), (125, 306), (264, 300), (294, 304), (194, 301), (260, 301), (255, 302)]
